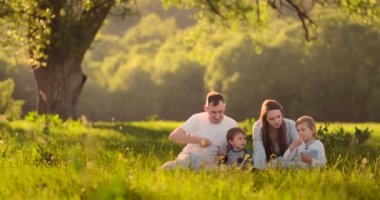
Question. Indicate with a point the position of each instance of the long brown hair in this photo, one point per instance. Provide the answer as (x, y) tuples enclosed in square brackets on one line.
[(267, 106)]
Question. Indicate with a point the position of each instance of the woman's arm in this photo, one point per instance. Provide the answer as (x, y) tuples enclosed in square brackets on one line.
[(259, 156)]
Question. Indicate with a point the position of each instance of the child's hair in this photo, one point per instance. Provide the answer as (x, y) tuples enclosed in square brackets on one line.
[(232, 132), (309, 122)]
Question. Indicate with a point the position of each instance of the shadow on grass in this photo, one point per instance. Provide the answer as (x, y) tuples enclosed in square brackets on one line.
[(140, 131), (142, 139)]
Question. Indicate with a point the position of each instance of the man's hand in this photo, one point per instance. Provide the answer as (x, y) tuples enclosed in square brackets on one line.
[(204, 142), (179, 136)]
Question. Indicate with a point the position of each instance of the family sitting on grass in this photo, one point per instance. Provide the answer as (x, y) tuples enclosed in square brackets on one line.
[(214, 139)]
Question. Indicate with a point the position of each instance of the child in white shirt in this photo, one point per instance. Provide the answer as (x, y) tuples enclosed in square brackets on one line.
[(306, 151)]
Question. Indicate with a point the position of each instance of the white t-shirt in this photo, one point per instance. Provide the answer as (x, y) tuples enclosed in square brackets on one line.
[(316, 150), (200, 125)]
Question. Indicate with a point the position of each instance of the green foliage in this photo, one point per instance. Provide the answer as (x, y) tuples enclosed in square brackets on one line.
[(5, 129), (44, 121), (342, 139), (366, 8), (233, 14), (40, 26), (247, 125), (334, 139), (253, 16), (153, 76), (362, 135), (153, 117), (149, 71), (328, 59), (9, 108)]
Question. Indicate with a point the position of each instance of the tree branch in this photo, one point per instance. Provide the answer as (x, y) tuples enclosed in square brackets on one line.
[(258, 10), (213, 7), (90, 21), (303, 17)]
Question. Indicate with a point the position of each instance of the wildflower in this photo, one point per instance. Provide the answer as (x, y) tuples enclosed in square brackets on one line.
[(364, 161), (41, 141)]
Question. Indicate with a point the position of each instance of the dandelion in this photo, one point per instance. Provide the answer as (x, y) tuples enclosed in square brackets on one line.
[(246, 158), (221, 159), (90, 164), (364, 161), (273, 160), (41, 141)]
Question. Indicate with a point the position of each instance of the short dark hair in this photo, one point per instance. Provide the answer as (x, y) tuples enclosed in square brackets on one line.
[(214, 98), (232, 132)]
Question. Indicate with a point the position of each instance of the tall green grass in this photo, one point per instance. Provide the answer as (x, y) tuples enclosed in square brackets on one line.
[(72, 160)]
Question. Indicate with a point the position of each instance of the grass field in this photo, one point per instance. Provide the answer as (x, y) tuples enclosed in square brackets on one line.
[(103, 160)]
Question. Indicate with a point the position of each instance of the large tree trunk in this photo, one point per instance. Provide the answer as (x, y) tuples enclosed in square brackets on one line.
[(60, 83), (59, 86)]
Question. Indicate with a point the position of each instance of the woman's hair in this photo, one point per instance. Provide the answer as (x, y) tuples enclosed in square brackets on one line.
[(309, 121), (267, 106), (232, 132)]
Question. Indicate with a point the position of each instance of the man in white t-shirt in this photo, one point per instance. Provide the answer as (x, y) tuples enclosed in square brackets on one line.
[(204, 133)]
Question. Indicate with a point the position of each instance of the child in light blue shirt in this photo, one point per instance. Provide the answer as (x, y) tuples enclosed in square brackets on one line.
[(237, 154)]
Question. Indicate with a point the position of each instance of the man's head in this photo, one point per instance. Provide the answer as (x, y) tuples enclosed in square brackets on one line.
[(215, 107)]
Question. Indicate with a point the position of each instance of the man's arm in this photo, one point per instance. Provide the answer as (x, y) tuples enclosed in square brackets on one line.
[(179, 136)]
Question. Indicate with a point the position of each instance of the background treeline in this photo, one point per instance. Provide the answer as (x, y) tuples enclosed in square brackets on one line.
[(164, 66)]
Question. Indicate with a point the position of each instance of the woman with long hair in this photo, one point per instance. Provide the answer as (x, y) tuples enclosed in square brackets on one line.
[(272, 134)]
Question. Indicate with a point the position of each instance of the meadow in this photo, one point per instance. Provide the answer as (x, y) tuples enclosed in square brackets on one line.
[(45, 158)]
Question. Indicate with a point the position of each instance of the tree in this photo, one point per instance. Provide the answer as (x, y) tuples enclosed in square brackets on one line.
[(57, 34), (253, 14)]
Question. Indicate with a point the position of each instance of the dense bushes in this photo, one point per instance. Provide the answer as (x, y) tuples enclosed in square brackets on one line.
[(340, 138), (9, 108), (336, 78)]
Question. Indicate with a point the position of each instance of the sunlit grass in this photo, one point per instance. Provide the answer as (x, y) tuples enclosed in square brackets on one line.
[(122, 161)]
